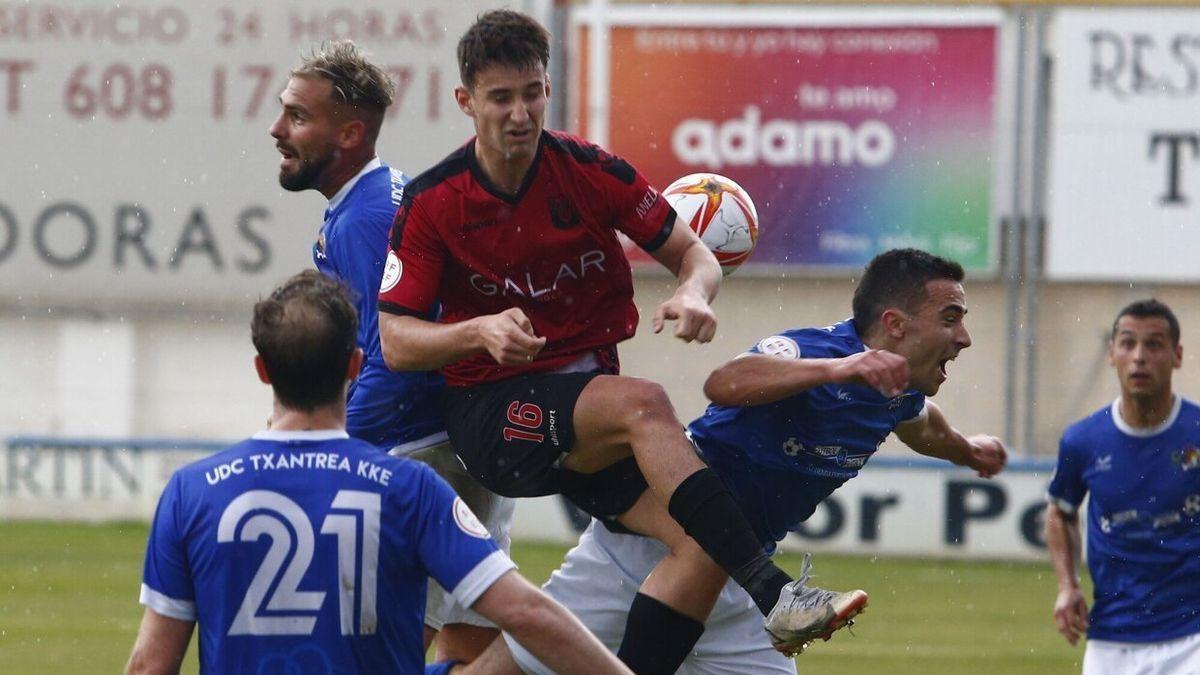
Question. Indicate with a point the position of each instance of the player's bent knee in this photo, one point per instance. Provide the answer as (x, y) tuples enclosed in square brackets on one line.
[(646, 403)]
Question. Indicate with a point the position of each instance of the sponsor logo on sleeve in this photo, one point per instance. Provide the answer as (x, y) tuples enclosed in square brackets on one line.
[(392, 269), (466, 520), (779, 345)]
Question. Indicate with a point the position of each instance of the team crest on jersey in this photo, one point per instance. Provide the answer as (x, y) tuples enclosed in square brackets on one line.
[(1187, 458), (392, 269), (1104, 463), (562, 213), (779, 345), (466, 520)]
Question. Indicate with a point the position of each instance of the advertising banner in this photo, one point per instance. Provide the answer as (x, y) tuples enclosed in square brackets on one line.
[(137, 162), (853, 132), (894, 507), (1124, 190)]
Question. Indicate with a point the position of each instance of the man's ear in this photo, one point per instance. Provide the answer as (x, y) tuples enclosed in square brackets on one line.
[(463, 98), (892, 320), (351, 134), (260, 367)]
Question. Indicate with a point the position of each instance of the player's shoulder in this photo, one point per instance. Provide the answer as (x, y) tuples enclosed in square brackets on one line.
[(587, 156), (376, 194), (1188, 408), (383, 184), (1086, 431), (408, 478), (829, 341), (453, 165)]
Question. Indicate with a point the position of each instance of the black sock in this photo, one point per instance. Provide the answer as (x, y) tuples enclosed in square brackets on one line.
[(657, 638), (708, 513)]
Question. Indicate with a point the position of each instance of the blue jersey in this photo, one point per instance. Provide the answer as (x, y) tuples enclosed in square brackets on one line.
[(781, 459), (1143, 520), (309, 552), (385, 408)]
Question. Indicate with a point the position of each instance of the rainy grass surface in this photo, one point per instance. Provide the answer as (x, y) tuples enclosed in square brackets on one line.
[(68, 604)]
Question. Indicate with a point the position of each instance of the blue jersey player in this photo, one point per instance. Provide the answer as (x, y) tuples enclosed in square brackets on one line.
[(332, 110), (1138, 463), (792, 419), (302, 550)]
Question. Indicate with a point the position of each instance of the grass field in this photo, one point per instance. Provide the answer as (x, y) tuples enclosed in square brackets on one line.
[(68, 604)]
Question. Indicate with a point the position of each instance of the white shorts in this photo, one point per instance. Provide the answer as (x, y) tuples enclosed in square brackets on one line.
[(598, 580), (494, 511), (1180, 656)]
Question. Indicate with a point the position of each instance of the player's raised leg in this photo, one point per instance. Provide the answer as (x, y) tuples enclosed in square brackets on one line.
[(617, 417)]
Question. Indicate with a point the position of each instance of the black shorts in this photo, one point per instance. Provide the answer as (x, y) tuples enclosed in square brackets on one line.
[(512, 435)]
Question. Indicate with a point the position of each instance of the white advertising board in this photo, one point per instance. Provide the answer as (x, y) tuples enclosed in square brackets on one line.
[(891, 508), (137, 167), (1124, 190)]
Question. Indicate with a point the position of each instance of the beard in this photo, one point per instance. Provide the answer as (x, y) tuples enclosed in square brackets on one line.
[(307, 176)]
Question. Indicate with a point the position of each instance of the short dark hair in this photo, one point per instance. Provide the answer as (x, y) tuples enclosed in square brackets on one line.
[(306, 333), (502, 37), (897, 278), (1144, 309), (357, 83)]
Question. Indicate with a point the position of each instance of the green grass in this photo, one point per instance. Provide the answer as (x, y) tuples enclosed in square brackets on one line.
[(68, 604)]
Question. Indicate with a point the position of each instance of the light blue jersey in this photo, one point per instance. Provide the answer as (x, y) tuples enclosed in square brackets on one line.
[(781, 459), (309, 553), (385, 408), (1143, 520)]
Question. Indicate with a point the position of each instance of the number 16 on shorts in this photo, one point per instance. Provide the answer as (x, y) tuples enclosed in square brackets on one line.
[(526, 416)]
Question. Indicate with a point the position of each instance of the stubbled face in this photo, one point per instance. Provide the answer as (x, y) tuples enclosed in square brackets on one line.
[(304, 133), (508, 105), (1142, 352), (935, 334)]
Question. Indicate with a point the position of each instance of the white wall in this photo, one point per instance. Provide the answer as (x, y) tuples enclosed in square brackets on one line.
[(171, 374)]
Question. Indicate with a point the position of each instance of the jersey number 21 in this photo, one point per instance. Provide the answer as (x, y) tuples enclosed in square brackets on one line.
[(277, 517)]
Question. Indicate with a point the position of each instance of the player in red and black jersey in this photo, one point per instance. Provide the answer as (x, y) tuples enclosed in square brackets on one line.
[(548, 248), (516, 235)]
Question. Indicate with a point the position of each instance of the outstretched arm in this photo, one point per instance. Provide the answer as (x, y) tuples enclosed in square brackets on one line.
[(699, 277), (758, 379), (410, 343), (1063, 542), (545, 628), (933, 436), (161, 645)]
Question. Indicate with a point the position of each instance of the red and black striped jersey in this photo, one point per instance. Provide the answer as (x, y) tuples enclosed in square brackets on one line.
[(551, 250)]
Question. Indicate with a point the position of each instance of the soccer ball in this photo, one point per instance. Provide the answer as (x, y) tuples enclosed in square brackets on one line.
[(720, 211)]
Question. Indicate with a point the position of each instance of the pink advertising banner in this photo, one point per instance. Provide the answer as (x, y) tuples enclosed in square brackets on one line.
[(850, 139)]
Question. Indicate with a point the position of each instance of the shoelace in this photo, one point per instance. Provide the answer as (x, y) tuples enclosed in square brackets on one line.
[(804, 596)]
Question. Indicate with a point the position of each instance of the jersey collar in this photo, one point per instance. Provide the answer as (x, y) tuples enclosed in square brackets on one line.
[(305, 435), (1176, 405), (336, 201), (487, 184)]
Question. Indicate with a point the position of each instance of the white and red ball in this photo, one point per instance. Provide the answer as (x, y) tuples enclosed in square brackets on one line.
[(720, 211)]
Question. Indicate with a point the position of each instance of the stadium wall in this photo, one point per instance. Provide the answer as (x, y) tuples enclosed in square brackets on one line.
[(897, 507), (119, 373)]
